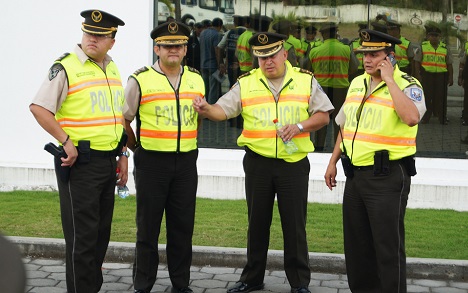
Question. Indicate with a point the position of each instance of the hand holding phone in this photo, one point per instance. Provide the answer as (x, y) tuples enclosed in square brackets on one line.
[(392, 59)]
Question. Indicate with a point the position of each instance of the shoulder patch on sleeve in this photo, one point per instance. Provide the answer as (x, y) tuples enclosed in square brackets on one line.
[(62, 57), (140, 70), (54, 70), (416, 94), (193, 70)]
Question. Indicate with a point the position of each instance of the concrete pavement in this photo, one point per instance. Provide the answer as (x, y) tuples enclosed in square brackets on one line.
[(217, 268)]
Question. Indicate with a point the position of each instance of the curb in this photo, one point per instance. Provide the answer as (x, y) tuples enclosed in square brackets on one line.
[(417, 268)]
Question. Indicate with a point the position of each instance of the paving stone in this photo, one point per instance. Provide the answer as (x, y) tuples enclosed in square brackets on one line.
[(339, 284), (448, 290)]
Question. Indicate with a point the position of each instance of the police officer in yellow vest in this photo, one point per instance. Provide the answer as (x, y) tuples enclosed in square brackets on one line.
[(406, 52), (332, 62), (293, 96), (165, 147), (80, 104), (436, 74), (379, 122)]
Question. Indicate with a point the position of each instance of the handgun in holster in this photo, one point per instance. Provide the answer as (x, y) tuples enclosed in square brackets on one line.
[(58, 153)]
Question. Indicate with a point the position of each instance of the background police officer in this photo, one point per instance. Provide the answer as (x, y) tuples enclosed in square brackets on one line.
[(165, 147), (378, 139), (276, 90), (80, 104)]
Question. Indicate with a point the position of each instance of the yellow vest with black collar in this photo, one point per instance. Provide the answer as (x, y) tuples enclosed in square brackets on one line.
[(92, 109), (166, 120), (379, 127), (259, 109)]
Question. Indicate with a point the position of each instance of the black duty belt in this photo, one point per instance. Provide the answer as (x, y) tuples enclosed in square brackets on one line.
[(96, 153)]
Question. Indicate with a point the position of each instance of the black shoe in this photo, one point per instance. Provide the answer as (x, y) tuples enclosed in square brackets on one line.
[(243, 287), (300, 290), (181, 290)]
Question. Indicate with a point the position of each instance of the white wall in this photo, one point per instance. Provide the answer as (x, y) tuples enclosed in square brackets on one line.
[(34, 34)]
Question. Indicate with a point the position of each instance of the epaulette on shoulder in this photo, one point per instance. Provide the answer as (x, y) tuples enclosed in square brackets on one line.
[(140, 70), (62, 57), (302, 70), (193, 70), (409, 78), (244, 75)]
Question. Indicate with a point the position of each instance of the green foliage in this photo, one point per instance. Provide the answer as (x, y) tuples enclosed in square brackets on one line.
[(223, 223)]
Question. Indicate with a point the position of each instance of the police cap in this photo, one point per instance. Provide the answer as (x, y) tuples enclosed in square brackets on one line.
[(282, 27), (392, 24), (328, 26), (375, 41), (100, 22), (171, 33), (266, 44), (379, 25), (432, 29)]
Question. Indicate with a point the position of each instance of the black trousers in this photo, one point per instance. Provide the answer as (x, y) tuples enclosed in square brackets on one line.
[(87, 206), (435, 94), (165, 183), (264, 179), (374, 231)]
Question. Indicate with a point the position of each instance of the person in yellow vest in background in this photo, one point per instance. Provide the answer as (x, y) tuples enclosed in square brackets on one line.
[(356, 43), (406, 52), (308, 43), (291, 45), (377, 142), (463, 81), (242, 52), (436, 74), (165, 146), (80, 104), (275, 91), (332, 62)]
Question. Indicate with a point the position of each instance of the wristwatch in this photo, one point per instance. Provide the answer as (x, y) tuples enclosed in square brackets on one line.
[(126, 153), (301, 128)]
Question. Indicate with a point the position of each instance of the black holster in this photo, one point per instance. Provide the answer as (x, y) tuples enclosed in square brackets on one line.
[(348, 167)]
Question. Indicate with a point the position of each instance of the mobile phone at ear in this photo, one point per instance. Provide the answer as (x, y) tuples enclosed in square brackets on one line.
[(392, 59)]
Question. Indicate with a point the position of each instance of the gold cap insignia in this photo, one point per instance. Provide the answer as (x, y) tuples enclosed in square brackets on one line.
[(263, 39), (173, 28), (365, 36), (96, 16)]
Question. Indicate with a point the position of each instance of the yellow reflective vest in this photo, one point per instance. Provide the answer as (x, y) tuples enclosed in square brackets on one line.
[(379, 126), (330, 63), (401, 52), (92, 109), (434, 60), (259, 109), (243, 51), (166, 120)]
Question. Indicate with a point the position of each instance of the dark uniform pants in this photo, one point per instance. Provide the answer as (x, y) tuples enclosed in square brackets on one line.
[(435, 94), (87, 205), (265, 178), (165, 182), (374, 232)]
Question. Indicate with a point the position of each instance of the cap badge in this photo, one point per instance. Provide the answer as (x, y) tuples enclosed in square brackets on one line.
[(96, 16), (365, 36), (173, 28), (263, 39)]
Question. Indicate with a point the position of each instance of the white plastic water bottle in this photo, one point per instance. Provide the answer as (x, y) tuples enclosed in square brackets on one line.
[(122, 191), (289, 145)]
